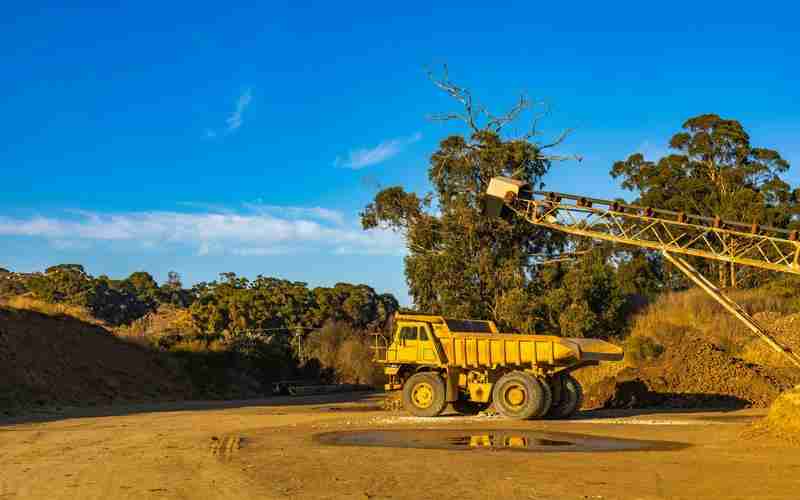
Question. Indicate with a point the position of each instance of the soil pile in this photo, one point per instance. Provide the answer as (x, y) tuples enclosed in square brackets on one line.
[(785, 329), (63, 360), (784, 415), (692, 373)]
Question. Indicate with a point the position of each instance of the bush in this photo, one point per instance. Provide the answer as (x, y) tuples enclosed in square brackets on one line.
[(639, 349), (345, 354)]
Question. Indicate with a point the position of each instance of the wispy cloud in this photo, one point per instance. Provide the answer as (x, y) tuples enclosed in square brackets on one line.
[(291, 212), (234, 121), (263, 251), (364, 157), (256, 230)]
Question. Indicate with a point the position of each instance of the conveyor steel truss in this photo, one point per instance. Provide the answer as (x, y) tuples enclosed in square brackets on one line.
[(674, 234)]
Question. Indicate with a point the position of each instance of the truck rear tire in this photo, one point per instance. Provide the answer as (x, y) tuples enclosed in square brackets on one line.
[(520, 395), (571, 397), (548, 397), (424, 395)]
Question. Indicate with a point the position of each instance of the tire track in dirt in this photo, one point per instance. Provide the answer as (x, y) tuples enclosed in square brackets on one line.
[(224, 449)]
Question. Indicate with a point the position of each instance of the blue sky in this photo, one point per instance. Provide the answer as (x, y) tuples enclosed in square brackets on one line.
[(209, 138)]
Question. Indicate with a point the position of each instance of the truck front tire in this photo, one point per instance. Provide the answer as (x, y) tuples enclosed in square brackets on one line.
[(520, 395), (424, 395)]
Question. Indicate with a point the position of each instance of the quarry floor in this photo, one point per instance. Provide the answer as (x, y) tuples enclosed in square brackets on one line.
[(267, 449)]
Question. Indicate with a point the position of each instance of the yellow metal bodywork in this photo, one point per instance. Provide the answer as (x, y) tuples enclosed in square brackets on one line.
[(483, 354), (446, 348), (479, 392)]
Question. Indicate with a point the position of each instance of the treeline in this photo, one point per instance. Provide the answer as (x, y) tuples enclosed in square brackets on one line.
[(229, 306), (116, 302), (229, 334), (236, 305)]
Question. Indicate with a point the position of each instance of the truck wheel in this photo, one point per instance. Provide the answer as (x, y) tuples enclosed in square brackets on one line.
[(424, 395), (520, 395), (548, 397), (571, 397)]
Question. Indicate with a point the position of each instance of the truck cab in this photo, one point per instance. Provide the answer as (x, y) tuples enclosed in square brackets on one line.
[(414, 342)]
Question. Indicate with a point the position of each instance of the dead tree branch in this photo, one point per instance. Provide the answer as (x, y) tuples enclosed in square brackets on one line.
[(478, 119)]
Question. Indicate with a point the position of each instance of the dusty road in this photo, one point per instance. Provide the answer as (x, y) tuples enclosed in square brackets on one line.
[(268, 449)]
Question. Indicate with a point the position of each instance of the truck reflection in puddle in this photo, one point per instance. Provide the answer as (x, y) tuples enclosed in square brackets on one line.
[(517, 441), (512, 440)]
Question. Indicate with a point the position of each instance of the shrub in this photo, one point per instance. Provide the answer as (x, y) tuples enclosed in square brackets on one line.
[(639, 349), (345, 353)]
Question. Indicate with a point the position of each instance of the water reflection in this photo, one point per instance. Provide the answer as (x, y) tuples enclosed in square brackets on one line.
[(513, 440)]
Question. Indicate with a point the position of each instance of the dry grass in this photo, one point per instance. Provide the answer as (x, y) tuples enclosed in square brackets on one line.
[(757, 352), (166, 321), (676, 314), (28, 303)]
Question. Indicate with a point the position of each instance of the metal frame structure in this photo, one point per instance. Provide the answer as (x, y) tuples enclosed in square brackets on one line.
[(674, 234)]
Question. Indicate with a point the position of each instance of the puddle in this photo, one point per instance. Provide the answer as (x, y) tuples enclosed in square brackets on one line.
[(517, 440)]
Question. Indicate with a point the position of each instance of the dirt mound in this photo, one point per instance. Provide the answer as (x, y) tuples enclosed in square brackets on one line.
[(785, 329), (692, 373), (62, 360), (784, 415)]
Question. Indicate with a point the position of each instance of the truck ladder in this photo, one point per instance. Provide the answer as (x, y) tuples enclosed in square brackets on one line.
[(674, 234)]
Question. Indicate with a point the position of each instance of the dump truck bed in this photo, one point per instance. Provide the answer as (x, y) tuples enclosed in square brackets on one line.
[(469, 344), (470, 350)]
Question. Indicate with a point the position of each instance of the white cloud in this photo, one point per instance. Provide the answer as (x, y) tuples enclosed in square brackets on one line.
[(360, 158), (257, 230), (263, 251), (317, 213), (234, 121)]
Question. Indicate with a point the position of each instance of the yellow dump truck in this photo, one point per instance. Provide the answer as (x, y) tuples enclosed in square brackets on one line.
[(470, 364)]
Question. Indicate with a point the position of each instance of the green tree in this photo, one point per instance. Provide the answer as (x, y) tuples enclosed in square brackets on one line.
[(60, 283), (357, 305), (236, 307), (144, 286), (459, 262), (714, 171), (12, 283), (582, 298)]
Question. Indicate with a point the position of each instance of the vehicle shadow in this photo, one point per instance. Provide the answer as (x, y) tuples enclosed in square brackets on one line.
[(666, 403)]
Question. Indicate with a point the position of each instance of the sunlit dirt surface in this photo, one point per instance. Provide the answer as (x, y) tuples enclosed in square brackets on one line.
[(273, 448)]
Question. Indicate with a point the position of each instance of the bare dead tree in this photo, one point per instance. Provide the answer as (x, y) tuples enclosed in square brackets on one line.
[(480, 120)]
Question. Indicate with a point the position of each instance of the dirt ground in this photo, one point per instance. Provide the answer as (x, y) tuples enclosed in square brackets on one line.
[(267, 449)]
